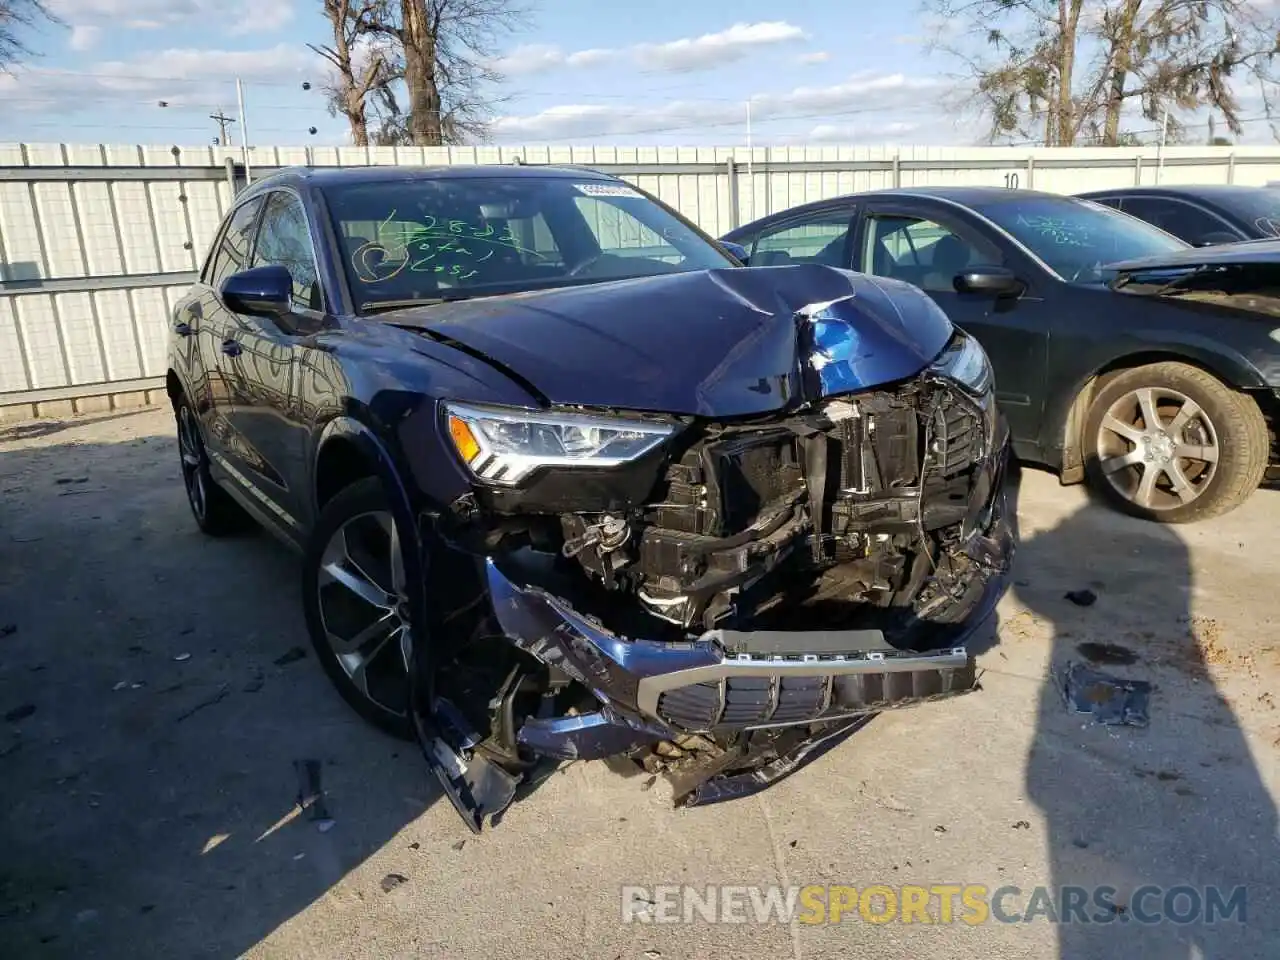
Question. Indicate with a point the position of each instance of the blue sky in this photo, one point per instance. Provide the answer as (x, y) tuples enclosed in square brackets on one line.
[(659, 72)]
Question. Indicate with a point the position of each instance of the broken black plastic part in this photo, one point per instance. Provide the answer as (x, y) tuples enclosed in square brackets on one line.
[(763, 761), (477, 787), (1111, 700)]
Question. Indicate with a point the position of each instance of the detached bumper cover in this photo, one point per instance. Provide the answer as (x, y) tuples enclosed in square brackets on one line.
[(726, 682)]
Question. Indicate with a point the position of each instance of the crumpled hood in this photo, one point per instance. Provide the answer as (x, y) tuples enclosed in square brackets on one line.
[(716, 343)]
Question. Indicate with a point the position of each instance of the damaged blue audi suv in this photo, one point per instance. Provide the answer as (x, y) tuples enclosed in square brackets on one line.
[(570, 481)]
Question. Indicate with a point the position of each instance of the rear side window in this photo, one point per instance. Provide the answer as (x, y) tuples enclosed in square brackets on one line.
[(1173, 216), (233, 250)]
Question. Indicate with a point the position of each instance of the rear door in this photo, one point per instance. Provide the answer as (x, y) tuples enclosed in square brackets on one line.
[(927, 246), (215, 323)]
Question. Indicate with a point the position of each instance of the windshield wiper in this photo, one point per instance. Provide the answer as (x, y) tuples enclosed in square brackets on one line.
[(382, 306)]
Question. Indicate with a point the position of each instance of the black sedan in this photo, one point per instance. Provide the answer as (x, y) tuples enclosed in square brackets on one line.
[(1201, 215), (570, 482), (1161, 387)]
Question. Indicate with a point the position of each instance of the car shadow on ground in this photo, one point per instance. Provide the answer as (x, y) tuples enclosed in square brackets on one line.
[(157, 690), (1180, 804)]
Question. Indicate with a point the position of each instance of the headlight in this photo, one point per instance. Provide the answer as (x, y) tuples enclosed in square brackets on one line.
[(506, 445), (965, 362)]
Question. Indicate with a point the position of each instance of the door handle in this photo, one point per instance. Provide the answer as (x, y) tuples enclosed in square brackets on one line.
[(231, 348), (182, 328)]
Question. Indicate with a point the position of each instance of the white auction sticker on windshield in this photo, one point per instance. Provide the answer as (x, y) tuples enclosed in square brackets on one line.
[(606, 189)]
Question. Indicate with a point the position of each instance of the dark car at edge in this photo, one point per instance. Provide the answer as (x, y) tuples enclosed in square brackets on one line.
[(1201, 215), (570, 482), (1121, 354)]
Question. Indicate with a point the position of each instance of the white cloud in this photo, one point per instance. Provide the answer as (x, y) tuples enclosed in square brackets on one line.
[(176, 76), (676, 56), (235, 17), (817, 56), (858, 133), (84, 37), (714, 49), (530, 58), (890, 94), (590, 58)]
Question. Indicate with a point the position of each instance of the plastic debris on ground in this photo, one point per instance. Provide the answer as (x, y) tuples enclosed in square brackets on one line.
[(1112, 700)]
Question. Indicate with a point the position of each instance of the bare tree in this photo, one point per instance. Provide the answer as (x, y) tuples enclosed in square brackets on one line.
[(446, 48), (359, 69), (16, 16), (1067, 70)]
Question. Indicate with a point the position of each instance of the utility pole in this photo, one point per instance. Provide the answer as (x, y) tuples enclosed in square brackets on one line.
[(222, 120), (244, 132)]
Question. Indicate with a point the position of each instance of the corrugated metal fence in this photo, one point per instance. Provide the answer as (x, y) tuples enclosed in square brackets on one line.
[(96, 242)]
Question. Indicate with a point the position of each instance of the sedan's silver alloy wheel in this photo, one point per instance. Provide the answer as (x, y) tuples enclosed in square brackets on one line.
[(1158, 448)]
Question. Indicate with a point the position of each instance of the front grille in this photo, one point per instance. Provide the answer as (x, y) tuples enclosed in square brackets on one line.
[(747, 702)]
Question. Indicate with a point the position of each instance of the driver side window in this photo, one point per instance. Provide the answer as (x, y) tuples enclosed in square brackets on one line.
[(285, 239), (920, 252)]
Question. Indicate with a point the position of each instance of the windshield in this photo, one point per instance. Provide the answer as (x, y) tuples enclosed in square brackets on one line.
[(1077, 238), (1259, 207), (454, 237)]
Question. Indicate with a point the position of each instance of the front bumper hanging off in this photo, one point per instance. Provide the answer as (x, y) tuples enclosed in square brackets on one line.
[(778, 699)]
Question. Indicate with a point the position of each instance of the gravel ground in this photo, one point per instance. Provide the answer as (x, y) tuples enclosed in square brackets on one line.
[(156, 697)]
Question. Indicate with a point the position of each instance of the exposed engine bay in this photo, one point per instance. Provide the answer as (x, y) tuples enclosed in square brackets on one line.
[(864, 501)]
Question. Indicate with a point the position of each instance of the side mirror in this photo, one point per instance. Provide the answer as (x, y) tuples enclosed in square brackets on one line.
[(737, 249), (997, 281), (1215, 237), (259, 291)]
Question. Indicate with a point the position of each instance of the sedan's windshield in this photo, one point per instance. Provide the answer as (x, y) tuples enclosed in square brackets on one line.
[(429, 239), (1077, 238)]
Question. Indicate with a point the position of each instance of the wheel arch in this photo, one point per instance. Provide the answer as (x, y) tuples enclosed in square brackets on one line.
[(348, 450), (1236, 373)]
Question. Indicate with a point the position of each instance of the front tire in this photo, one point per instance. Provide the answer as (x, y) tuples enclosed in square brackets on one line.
[(1171, 443), (355, 600)]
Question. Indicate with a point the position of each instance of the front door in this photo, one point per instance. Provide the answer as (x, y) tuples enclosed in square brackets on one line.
[(263, 355), (929, 251)]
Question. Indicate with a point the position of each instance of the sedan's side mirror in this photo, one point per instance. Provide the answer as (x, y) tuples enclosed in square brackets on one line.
[(737, 249), (259, 291), (996, 281), (1215, 237)]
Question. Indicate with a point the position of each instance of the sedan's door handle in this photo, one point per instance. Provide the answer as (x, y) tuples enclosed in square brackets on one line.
[(231, 348), (182, 328)]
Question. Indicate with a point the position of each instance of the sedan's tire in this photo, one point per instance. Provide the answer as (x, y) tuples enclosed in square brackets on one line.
[(1171, 443), (356, 605), (216, 513)]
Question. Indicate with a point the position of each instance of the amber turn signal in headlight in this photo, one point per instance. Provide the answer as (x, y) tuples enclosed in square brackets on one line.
[(463, 439)]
